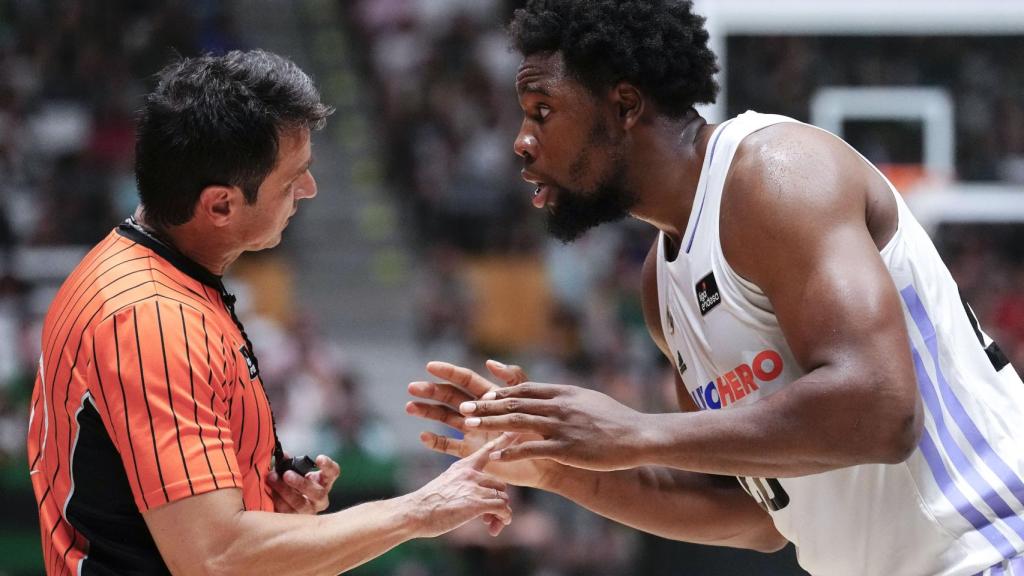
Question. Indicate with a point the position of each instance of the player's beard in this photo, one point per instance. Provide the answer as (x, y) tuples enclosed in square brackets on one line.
[(578, 211)]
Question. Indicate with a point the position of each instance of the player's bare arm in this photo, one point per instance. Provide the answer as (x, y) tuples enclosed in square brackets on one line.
[(212, 533), (802, 223), (672, 504)]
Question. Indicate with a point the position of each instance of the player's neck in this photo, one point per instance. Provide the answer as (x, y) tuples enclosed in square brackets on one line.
[(667, 170), (200, 246)]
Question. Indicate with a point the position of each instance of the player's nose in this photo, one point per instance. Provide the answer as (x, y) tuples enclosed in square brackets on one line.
[(525, 144)]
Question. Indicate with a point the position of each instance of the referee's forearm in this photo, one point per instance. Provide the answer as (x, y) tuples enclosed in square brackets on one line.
[(272, 543)]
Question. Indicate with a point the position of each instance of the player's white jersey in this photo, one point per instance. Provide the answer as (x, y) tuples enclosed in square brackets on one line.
[(956, 506)]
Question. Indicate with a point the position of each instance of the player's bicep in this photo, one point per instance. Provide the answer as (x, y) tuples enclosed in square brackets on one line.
[(842, 308), (795, 224), (158, 379), (800, 234), (845, 326)]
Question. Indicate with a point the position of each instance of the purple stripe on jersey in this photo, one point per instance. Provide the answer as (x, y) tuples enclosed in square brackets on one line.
[(956, 410), (956, 454), (711, 154), (1013, 567), (957, 499)]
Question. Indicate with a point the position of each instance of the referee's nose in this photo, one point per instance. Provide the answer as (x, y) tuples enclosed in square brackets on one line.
[(305, 186)]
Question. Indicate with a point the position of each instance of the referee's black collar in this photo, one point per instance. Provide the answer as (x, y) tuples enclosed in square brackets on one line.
[(133, 231)]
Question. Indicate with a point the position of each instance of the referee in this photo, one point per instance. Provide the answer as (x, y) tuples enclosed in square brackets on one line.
[(152, 444)]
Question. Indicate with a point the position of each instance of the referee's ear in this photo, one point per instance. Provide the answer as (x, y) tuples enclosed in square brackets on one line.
[(217, 204)]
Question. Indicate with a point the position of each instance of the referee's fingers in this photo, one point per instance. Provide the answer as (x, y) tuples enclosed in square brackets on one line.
[(329, 471), (308, 486), (289, 496)]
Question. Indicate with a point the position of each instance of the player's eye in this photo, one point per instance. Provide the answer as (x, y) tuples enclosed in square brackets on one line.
[(542, 113)]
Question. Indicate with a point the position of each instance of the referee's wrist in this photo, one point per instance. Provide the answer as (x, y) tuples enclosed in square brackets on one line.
[(410, 518)]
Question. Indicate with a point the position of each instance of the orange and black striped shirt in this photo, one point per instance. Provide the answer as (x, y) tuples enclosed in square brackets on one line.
[(146, 393)]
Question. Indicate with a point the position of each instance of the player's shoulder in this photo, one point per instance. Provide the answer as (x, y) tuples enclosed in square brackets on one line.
[(790, 163), (792, 174), (790, 185)]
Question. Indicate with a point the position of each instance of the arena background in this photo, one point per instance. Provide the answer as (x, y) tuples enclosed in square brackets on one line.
[(422, 243)]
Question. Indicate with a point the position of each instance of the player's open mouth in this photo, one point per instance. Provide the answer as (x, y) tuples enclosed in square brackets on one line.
[(543, 196)]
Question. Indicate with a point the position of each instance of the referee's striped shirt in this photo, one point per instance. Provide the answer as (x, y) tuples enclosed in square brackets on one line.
[(144, 396)]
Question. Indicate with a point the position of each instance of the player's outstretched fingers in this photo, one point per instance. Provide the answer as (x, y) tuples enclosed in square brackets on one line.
[(527, 451), (533, 390), (444, 444), (438, 413), (443, 393), (510, 374), (511, 423), (509, 406), (473, 383)]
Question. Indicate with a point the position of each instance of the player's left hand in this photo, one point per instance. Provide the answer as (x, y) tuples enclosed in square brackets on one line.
[(462, 385), (579, 427), (309, 494)]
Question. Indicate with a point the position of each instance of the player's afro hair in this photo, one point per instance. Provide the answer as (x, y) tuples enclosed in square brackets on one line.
[(660, 46)]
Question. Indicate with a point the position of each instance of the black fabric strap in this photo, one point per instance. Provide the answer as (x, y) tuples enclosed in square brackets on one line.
[(993, 351)]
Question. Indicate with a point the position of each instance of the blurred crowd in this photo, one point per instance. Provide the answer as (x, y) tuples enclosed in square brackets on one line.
[(782, 74), (490, 283), (71, 77)]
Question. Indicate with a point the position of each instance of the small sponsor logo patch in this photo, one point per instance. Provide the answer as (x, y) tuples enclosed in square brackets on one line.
[(707, 294), (253, 371)]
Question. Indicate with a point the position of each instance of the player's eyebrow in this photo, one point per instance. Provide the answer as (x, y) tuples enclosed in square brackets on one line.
[(531, 80), (533, 88)]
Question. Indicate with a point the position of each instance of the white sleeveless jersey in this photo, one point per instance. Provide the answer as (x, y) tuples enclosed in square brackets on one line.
[(956, 506)]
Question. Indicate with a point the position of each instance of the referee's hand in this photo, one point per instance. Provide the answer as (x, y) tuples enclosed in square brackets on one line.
[(294, 494)]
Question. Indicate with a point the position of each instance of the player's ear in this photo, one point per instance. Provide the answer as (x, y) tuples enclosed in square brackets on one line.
[(629, 103), (217, 204)]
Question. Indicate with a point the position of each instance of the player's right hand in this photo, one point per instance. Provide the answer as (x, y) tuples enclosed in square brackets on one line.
[(460, 494), (460, 385)]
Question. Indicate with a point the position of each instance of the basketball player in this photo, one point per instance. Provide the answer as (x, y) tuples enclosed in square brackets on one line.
[(151, 442), (823, 356)]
